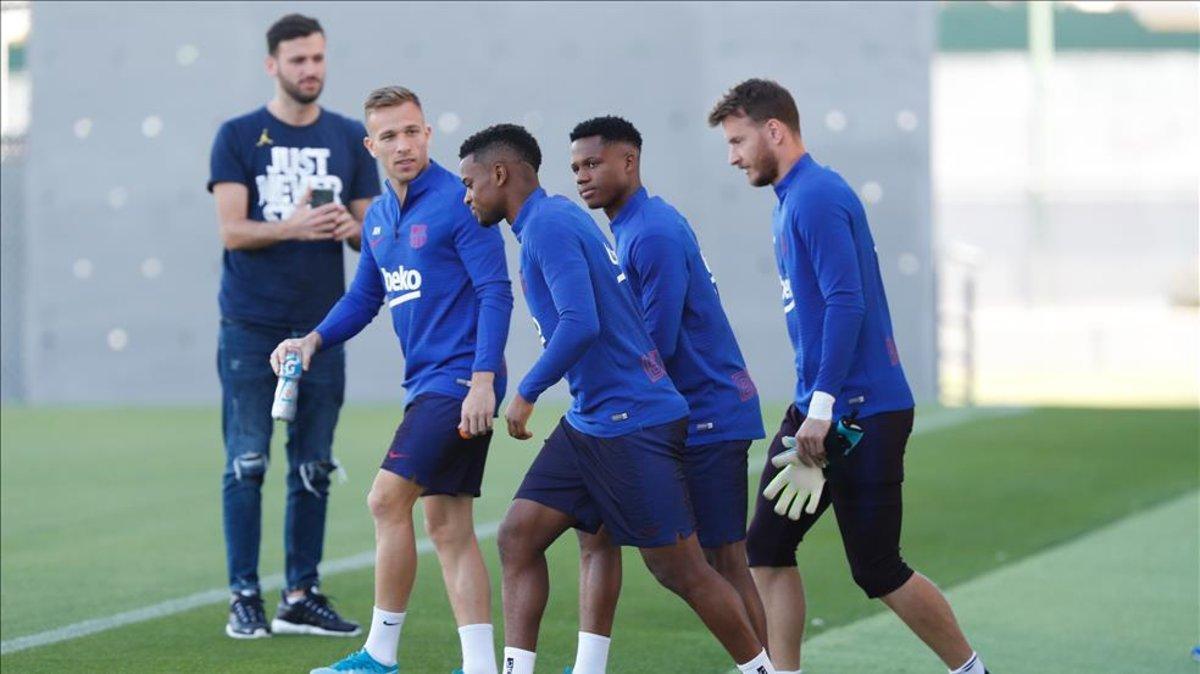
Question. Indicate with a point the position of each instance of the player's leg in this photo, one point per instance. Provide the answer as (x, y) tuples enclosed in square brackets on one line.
[(551, 499), (452, 481), (717, 483), (526, 532), (449, 521), (866, 493), (599, 590), (637, 483), (771, 543), (247, 388), (303, 609), (682, 569)]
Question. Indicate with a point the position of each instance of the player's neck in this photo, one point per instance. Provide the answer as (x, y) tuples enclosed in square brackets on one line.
[(791, 154), (290, 111), (614, 209), (517, 199)]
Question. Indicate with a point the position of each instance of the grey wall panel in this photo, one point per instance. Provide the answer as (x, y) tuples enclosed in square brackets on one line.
[(119, 200)]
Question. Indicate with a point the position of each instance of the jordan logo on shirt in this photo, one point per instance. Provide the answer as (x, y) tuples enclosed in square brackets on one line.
[(292, 171)]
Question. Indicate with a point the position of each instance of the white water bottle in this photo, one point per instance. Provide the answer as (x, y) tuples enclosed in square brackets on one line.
[(288, 388)]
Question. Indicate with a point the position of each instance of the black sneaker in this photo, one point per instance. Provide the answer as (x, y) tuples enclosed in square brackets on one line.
[(312, 614), (247, 619)]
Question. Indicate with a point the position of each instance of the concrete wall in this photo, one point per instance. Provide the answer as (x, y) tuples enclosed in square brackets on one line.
[(120, 241)]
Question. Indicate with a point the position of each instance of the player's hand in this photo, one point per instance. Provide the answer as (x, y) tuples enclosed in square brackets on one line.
[(810, 442), (519, 411), (345, 227), (798, 486), (479, 406), (306, 346)]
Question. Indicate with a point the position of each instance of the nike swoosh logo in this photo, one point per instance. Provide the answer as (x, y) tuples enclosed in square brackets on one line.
[(390, 624), (396, 455)]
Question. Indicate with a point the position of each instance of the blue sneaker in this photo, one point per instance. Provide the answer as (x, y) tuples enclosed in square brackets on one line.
[(358, 662), (1196, 654)]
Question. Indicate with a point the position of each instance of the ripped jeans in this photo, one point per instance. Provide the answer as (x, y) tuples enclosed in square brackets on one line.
[(248, 388)]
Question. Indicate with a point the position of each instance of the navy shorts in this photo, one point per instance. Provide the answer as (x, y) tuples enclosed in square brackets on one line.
[(428, 450), (864, 490), (716, 481), (633, 484)]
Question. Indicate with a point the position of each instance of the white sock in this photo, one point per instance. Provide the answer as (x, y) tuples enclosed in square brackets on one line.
[(761, 664), (973, 665), (478, 649), (384, 637), (517, 661), (591, 657)]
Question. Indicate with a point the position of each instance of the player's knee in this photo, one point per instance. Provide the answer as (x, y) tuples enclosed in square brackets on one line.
[(250, 467), (766, 547), (386, 504), (881, 576), (727, 560), (680, 578), (512, 538)]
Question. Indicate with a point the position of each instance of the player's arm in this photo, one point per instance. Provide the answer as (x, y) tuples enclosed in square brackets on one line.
[(353, 312), (661, 264), (824, 227), (565, 268), (482, 252)]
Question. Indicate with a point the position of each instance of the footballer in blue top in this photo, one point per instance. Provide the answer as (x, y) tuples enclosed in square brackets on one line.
[(444, 280), (614, 460), (677, 292), (847, 365)]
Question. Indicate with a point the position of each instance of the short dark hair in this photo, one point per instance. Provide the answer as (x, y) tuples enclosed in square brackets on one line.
[(386, 97), (510, 136), (610, 128), (759, 100), (291, 27)]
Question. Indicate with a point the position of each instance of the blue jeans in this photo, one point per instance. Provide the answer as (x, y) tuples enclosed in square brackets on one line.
[(248, 389)]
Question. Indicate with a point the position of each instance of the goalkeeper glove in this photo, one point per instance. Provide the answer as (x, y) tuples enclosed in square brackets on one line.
[(795, 484)]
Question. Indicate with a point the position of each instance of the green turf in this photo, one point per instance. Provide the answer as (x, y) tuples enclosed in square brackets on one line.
[(106, 510), (1114, 600)]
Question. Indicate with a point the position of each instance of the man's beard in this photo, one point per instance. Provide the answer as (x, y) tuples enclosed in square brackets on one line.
[(299, 96), (768, 171)]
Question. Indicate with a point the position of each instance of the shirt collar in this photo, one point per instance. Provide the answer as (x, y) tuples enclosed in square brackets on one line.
[(801, 165), (536, 196), (630, 208), (424, 180)]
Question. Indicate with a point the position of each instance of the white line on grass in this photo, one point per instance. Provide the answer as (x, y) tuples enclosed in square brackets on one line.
[(934, 422)]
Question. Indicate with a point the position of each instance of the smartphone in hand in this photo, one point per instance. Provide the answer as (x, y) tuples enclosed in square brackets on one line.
[(320, 197)]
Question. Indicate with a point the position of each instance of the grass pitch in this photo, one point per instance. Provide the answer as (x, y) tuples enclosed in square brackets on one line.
[(108, 510)]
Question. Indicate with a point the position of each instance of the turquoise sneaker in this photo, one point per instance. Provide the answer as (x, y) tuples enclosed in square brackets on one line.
[(358, 662)]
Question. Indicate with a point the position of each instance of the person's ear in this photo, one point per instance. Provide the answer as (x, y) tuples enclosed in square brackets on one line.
[(500, 174)]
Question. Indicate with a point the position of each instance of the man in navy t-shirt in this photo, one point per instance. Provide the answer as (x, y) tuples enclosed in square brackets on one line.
[(614, 459), (677, 292), (846, 363), (282, 271)]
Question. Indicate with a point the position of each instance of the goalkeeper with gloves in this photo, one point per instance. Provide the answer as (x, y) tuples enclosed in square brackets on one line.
[(848, 370)]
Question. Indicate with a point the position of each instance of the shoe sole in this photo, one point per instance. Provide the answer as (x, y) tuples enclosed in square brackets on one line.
[(284, 627), (260, 633)]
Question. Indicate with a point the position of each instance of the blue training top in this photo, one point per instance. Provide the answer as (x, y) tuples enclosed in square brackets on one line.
[(588, 323), (445, 281), (833, 299), (290, 284), (681, 307)]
